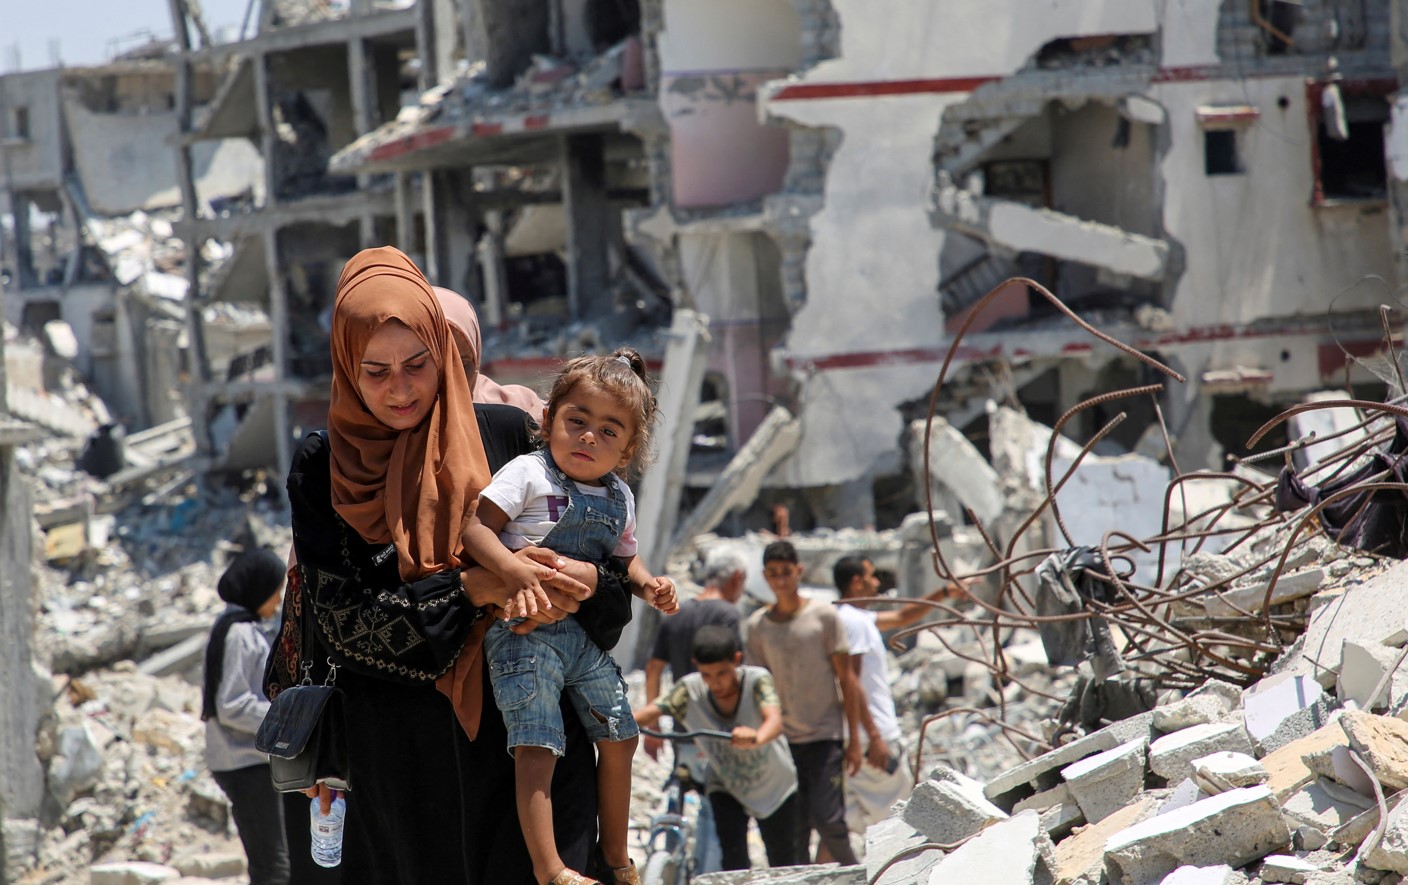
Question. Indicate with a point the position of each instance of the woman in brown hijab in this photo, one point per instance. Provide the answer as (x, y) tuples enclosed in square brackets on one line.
[(377, 502)]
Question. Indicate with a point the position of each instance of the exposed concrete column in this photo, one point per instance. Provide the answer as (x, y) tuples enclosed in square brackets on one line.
[(472, 26), (403, 212), (456, 202), (1188, 412), (437, 246), (426, 44), (361, 72), (268, 139), (24, 240), (491, 263), (195, 328), (583, 160), (21, 775), (278, 318)]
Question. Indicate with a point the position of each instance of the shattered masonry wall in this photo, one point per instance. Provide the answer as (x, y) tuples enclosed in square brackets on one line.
[(713, 58), (872, 272), (21, 777), (38, 164), (124, 161)]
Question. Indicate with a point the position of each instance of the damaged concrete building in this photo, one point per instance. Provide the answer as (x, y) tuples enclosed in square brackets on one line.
[(1217, 183)]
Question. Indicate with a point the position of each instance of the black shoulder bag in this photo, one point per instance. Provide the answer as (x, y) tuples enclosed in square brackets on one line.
[(304, 730)]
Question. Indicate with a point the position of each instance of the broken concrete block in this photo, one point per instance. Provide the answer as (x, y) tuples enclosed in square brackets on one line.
[(211, 866), (1324, 805), (1190, 875), (1362, 667), (1106, 782), (1286, 766), (1171, 756), (132, 873), (1235, 828), (1081, 857), (77, 765), (815, 874), (1382, 742), (1335, 764), (950, 810), (1061, 820), (889, 838), (1220, 772), (1013, 851), (1367, 612), (1289, 588), (1392, 851), (1286, 868), (1057, 795), (1008, 788), (1189, 712), (1267, 705), (1231, 695), (1186, 793)]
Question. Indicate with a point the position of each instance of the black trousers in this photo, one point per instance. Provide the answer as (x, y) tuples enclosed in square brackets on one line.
[(779, 831), (259, 816), (821, 795)]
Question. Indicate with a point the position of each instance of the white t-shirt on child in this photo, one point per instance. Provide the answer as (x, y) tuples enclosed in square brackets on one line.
[(533, 502)]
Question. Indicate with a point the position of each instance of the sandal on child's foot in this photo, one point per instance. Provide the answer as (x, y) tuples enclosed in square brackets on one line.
[(626, 875), (567, 876)]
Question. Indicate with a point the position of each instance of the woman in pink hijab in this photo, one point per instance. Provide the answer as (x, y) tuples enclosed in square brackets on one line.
[(464, 323)]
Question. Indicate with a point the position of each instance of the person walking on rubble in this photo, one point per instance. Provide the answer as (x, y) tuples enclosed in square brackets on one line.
[(887, 776), (378, 504), (752, 775), (233, 705), (568, 497), (725, 571), (804, 646)]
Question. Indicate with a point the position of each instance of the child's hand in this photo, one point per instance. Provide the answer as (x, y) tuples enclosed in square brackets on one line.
[(526, 596), (660, 594), (745, 737)]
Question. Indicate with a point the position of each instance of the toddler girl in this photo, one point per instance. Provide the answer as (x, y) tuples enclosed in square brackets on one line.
[(569, 498)]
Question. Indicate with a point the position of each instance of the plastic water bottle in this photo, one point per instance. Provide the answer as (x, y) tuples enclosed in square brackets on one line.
[(327, 833)]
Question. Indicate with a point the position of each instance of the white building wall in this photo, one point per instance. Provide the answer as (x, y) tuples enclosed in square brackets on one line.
[(873, 270), (37, 163), (1254, 245)]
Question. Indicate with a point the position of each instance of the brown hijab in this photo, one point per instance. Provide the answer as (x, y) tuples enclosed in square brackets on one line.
[(411, 488)]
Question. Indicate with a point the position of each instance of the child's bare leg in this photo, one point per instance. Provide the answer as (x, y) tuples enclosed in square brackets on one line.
[(533, 767), (613, 790)]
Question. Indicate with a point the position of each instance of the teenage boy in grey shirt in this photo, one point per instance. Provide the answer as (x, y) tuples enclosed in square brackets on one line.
[(804, 645)]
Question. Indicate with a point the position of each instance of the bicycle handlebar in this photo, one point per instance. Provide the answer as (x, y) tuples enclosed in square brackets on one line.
[(686, 735)]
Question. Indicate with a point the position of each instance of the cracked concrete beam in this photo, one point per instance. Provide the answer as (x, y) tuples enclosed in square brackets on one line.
[(1025, 229)]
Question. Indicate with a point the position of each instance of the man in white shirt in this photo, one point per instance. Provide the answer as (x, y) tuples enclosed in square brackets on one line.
[(887, 775)]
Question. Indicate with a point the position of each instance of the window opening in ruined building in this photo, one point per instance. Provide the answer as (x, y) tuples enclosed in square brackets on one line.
[(1235, 417), (711, 425), (20, 126), (1277, 20), (1220, 152), (1350, 145)]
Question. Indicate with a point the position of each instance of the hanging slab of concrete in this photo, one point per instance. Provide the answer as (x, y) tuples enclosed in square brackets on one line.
[(1013, 852), (1234, 828), (1040, 773), (1171, 756), (956, 464), (888, 839), (1368, 612), (1106, 782), (1382, 742), (950, 810), (1081, 857), (738, 485)]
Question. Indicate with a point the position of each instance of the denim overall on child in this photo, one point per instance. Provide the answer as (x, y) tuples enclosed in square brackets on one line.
[(530, 672)]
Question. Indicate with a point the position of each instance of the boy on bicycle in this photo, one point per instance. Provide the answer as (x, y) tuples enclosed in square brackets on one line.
[(751, 775)]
